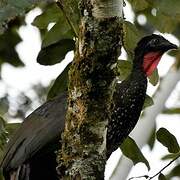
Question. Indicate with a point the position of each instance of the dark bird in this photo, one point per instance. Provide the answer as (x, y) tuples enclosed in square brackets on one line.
[(30, 152), (129, 96)]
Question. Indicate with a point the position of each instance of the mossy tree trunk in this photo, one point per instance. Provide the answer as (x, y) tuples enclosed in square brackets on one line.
[(83, 154)]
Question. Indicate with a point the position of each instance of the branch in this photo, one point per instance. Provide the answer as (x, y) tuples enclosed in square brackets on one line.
[(159, 172), (164, 167), (66, 11)]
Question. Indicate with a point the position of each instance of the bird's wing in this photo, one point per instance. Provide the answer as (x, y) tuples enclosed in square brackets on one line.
[(38, 129)]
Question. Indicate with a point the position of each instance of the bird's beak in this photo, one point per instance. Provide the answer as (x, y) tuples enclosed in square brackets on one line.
[(166, 45)]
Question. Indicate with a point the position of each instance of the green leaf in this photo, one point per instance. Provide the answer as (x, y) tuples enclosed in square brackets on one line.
[(58, 40), (161, 177), (170, 156), (13, 8), (4, 105), (2, 122), (148, 102), (154, 78), (168, 140), (130, 149), (51, 14), (171, 111), (61, 30), (175, 172), (139, 5), (60, 84), (130, 38), (152, 138), (156, 21), (176, 53), (19, 4), (169, 7), (166, 10), (11, 128), (71, 10), (55, 53), (8, 54), (3, 134), (123, 69)]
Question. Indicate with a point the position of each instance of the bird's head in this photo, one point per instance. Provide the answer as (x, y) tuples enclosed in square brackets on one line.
[(149, 51)]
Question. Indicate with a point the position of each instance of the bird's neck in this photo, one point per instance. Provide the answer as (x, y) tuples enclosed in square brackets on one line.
[(138, 65), (138, 74)]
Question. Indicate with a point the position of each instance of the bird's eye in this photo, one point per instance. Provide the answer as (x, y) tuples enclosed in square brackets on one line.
[(155, 41)]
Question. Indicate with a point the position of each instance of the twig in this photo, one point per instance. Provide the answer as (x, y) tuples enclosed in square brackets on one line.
[(164, 167), (60, 5), (159, 172)]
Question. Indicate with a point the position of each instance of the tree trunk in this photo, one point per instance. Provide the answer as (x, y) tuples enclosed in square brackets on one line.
[(83, 154)]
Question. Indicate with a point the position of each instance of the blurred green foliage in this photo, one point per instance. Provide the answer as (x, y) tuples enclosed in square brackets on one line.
[(130, 149), (168, 140), (60, 84)]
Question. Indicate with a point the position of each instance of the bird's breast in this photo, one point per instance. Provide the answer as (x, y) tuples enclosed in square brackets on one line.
[(128, 102)]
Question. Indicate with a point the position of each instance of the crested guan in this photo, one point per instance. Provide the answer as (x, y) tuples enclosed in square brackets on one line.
[(129, 96), (30, 152)]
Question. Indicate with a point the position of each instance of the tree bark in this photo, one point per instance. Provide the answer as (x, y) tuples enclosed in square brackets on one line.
[(83, 154)]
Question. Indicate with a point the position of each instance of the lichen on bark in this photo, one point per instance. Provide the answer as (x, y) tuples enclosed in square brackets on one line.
[(83, 154)]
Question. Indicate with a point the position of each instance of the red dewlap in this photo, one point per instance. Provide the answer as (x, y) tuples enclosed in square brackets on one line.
[(151, 60)]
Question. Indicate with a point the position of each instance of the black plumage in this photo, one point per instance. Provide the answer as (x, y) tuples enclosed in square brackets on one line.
[(30, 152), (129, 96), (129, 99)]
